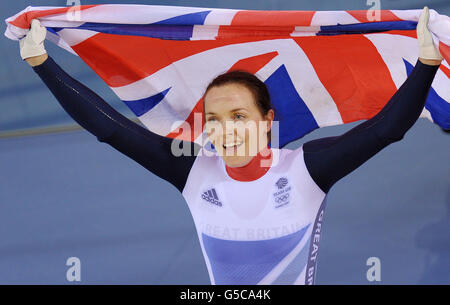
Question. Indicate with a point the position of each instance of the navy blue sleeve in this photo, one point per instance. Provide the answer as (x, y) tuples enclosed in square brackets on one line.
[(330, 159), (150, 150)]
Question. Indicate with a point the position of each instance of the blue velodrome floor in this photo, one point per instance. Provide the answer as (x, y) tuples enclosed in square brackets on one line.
[(64, 195)]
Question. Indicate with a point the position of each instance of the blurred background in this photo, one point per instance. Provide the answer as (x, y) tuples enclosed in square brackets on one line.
[(63, 194)]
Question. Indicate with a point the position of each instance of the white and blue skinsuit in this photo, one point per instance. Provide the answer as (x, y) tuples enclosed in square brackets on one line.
[(264, 228)]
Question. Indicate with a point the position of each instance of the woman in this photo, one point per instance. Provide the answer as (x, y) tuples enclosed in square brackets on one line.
[(258, 218)]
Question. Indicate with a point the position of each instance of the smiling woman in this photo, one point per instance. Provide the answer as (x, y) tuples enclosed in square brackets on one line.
[(258, 216), (238, 116)]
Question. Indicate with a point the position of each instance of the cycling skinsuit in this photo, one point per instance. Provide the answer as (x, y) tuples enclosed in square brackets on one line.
[(255, 225)]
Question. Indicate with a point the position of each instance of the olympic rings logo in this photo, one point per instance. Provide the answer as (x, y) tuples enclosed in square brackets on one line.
[(283, 198)]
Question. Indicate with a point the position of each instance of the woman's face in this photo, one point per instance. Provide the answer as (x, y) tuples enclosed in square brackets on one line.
[(234, 124)]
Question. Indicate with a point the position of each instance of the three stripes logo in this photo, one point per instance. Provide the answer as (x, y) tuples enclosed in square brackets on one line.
[(211, 197)]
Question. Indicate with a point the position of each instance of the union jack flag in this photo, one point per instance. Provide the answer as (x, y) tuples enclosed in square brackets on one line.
[(322, 68)]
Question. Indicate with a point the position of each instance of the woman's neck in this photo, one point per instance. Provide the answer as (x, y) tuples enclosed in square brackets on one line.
[(253, 170)]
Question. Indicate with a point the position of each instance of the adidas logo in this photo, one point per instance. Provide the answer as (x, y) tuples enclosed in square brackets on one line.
[(211, 197)]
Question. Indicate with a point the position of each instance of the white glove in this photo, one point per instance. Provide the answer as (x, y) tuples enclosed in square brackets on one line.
[(427, 50), (33, 43)]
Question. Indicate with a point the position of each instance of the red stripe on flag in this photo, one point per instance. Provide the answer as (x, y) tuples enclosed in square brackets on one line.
[(121, 60), (445, 70), (194, 131), (252, 64), (352, 71), (385, 15), (24, 20), (445, 51), (233, 31), (255, 63), (408, 33), (271, 18)]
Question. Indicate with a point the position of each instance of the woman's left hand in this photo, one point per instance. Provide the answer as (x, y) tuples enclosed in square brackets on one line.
[(428, 53)]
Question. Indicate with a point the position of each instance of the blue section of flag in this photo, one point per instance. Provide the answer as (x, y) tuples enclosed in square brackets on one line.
[(54, 30), (247, 262), (368, 27), (177, 28), (57, 29), (294, 117), (436, 105), (179, 32), (139, 107), (186, 19)]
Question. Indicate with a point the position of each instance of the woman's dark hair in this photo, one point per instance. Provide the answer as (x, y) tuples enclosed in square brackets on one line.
[(251, 82)]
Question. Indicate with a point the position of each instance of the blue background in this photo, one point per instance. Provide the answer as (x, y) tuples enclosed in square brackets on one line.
[(65, 194)]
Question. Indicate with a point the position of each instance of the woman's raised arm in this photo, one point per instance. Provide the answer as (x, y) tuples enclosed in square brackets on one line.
[(330, 159), (109, 126), (96, 116)]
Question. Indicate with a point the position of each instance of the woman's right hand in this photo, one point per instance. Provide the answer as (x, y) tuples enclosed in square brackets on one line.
[(32, 45)]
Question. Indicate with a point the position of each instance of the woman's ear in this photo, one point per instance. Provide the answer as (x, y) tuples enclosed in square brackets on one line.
[(270, 115)]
